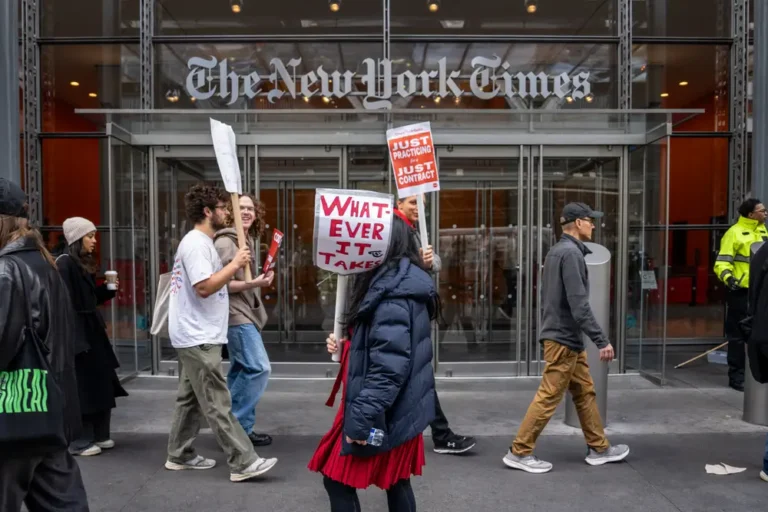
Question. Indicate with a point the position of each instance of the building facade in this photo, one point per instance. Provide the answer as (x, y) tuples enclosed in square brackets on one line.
[(637, 107)]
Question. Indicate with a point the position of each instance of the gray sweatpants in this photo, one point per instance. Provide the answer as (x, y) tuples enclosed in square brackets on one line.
[(203, 393)]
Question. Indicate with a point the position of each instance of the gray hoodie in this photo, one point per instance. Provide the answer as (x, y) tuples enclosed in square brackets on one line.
[(565, 310)]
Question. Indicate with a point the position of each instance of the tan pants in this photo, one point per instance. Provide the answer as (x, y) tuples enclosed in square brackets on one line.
[(566, 369)]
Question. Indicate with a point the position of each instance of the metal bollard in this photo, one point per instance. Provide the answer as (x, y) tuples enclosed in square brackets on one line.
[(599, 268), (755, 394)]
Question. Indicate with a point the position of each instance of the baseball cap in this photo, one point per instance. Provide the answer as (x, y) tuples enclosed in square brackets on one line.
[(574, 211), (13, 200)]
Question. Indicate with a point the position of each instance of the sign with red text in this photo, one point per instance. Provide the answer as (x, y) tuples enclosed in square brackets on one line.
[(352, 229), (413, 159), (277, 239)]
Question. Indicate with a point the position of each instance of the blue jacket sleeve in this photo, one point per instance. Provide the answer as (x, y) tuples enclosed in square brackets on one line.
[(389, 355)]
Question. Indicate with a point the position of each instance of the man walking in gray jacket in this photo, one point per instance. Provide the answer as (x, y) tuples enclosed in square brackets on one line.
[(565, 315)]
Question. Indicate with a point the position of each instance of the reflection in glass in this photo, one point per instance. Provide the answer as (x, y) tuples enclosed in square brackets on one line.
[(550, 17), (300, 17), (683, 76), (103, 18), (301, 301), (668, 18), (174, 178), (110, 72)]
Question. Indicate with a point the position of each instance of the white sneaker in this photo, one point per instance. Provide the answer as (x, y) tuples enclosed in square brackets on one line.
[(198, 462), (612, 454), (89, 452), (529, 464), (106, 445), (764, 476), (258, 468)]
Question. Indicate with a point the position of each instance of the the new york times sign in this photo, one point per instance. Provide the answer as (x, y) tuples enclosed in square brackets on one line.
[(490, 78)]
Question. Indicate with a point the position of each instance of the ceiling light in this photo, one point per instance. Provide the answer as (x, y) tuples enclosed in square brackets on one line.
[(437, 99), (683, 83), (569, 99), (664, 94), (192, 99), (589, 98), (74, 84), (530, 6), (93, 95), (457, 100), (433, 5), (334, 5), (236, 6), (306, 99), (326, 99)]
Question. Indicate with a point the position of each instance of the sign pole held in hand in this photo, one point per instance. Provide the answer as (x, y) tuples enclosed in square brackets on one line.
[(226, 156), (352, 230), (339, 320), (412, 154)]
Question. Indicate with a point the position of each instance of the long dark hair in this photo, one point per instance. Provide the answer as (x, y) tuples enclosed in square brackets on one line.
[(13, 228), (402, 244), (85, 261)]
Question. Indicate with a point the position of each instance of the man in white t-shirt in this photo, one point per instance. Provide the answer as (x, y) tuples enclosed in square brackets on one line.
[(198, 314)]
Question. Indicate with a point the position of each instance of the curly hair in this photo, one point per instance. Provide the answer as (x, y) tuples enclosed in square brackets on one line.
[(259, 224), (200, 197)]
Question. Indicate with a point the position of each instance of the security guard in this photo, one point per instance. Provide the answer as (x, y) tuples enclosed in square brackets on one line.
[(732, 268)]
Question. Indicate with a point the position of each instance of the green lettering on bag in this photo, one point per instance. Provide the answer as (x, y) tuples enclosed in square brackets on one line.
[(27, 391), (10, 392), (34, 403), (44, 383), (3, 385), (19, 390)]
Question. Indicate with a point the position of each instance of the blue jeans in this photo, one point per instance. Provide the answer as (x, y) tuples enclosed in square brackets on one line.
[(249, 371), (765, 456)]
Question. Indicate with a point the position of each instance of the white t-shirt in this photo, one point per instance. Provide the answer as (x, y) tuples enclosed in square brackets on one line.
[(193, 320)]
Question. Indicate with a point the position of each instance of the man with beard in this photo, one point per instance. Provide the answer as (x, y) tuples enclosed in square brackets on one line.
[(198, 315)]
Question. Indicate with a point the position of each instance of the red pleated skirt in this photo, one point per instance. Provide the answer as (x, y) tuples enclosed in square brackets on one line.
[(382, 470)]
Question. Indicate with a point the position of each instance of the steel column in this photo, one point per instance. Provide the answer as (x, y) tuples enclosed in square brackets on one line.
[(759, 107), (625, 54), (9, 91), (738, 156), (31, 78)]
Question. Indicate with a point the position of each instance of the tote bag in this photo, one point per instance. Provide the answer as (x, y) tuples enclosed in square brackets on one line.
[(31, 404), (162, 300)]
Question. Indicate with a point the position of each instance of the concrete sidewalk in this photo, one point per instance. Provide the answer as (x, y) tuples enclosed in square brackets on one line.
[(673, 433)]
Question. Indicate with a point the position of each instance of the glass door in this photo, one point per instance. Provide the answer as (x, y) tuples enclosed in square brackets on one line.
[(177, 169), (301, 301), (479, 213), (126, 250)]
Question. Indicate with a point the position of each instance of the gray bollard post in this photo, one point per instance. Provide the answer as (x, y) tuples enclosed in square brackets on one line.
[(599, 268), (755, 394)]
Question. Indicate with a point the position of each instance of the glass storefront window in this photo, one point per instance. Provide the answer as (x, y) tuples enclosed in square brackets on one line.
[(185, 83), (668, 18), (698, 180), (683, 76), (86, 76), (598, 61), (95, 18), (529, 17), (300, 17)]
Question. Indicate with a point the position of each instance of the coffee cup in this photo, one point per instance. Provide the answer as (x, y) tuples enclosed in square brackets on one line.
[(111, 277)]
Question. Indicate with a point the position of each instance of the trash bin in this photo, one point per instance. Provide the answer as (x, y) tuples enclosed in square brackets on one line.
[(599, 268), (755, 394)]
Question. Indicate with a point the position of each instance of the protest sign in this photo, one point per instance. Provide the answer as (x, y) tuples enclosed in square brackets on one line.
[(226, 156), (277, 239), (352, 230), (412, 154)]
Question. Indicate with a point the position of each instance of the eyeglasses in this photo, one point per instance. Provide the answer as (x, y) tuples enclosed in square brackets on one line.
[(587, 219), (248, 209), (222, 207)]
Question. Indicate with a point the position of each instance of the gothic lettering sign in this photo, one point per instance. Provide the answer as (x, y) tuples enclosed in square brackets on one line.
[(490, 77)]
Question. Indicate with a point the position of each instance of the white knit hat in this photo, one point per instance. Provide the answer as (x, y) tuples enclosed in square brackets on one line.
[(76, 228)]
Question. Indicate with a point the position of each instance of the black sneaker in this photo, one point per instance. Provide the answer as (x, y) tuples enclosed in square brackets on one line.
[(260, 439), (737, 385), (455, 444)]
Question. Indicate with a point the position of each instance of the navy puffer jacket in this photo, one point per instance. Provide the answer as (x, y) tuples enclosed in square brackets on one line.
[(390, 382)]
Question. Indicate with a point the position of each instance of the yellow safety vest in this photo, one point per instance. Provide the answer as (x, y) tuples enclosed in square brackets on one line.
[(735, 250)]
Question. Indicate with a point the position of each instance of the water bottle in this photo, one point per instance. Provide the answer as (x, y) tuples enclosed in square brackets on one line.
[(376, 437)]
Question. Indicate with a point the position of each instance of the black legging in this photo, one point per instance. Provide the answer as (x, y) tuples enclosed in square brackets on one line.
[(344, 498)]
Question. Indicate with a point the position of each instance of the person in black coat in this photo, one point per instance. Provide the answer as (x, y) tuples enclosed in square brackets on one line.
[(38, 471), (97, 380), (389, 382)]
